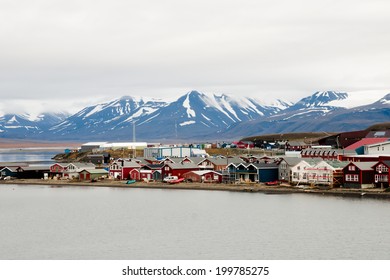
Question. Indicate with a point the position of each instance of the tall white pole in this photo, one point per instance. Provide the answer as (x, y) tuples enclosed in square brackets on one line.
[(133, 131), (134, 139)]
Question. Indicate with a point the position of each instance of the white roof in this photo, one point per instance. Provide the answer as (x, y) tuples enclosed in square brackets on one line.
[(125, 144), (94, 144)]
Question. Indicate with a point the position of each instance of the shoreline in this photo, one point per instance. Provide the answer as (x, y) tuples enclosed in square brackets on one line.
[(356, 193)]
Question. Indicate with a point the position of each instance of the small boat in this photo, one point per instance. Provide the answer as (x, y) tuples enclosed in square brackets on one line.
[(130, 182), (272, 183), (176, 181)]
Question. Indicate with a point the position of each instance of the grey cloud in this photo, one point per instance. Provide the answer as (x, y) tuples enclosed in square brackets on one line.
[(87, 50)]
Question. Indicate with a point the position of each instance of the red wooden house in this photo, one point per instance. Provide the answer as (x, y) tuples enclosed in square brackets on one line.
[(130, 171), (359, 175), (125, 170), (382, 174), (244, 144), (177, 169), (57, 169)]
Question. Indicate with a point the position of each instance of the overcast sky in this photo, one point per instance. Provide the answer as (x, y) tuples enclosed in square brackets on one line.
[(66, 54)]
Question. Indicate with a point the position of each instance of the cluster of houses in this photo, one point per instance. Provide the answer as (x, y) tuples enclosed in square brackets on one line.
[(314, 171), (363, 162), (73, 171)]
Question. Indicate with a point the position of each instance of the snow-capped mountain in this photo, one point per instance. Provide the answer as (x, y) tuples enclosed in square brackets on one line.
[(319, 100), (358, 99), (106, 118), (26, 125), (196, 116), (313, 106), (321, 111), (193, 114)]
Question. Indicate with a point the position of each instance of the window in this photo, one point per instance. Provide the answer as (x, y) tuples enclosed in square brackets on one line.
[(351, 168), (352, 178), (382, 168), (381, 178)]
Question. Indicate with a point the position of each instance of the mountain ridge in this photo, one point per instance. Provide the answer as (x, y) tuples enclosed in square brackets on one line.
[(197, 115)]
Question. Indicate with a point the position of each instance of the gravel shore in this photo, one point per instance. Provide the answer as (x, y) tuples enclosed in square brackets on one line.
[(282, 189)]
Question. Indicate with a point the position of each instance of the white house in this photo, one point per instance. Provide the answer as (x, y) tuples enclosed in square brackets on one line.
[(378, 149), (72, 170), (326, 173), (295, 170), (180, 152), (124, 145)]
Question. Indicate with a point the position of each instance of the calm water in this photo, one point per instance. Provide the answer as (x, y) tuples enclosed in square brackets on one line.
[(42, 222), (31, 156)]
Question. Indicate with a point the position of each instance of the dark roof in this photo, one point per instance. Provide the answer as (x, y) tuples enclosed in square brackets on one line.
[(386, 162), (12, 169), (36, 168), (266, 165), (153, 166)]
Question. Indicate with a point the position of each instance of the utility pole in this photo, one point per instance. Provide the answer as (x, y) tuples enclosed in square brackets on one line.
[(134, 131), (134, 155), (176, 129)]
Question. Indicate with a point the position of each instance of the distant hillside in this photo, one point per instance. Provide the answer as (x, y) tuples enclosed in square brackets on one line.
[(379, 126), (309, 137)]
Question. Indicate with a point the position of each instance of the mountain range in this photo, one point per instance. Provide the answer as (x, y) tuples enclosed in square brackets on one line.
[(200, 116)]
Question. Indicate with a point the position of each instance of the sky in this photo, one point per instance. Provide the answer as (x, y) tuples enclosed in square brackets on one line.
[(63, 55)]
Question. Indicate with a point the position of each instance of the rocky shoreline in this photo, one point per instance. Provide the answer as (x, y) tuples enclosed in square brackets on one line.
[(282, 189)]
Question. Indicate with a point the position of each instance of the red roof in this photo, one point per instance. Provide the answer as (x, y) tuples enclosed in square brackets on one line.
[(366, 141)]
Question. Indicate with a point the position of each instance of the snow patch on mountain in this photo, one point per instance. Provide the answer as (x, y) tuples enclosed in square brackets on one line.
[(225, 102), (359, 98), (186, 104), (385, 100), (142, 112), (187, 123), (12, 120), (95, 110), (206, 117), (213, 101)]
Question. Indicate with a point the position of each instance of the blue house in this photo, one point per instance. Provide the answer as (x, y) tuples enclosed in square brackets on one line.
[(253, 172), (8, 171), (267, 172)]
